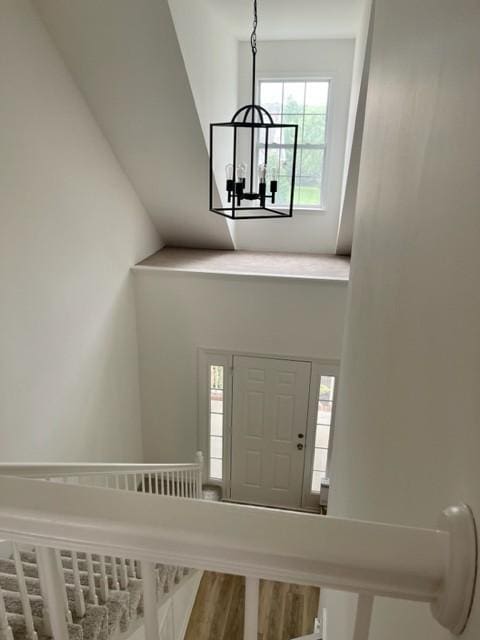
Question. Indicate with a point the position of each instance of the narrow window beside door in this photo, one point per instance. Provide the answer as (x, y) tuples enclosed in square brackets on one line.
[(322, 434), (216, 412)]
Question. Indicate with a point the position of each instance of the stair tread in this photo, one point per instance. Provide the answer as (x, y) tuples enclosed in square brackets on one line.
[(100, 622)]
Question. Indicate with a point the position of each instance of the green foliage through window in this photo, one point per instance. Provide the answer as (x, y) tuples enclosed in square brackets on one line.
[(302, 102)]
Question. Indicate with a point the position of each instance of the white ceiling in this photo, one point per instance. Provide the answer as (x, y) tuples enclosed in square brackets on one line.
[(292, 19)]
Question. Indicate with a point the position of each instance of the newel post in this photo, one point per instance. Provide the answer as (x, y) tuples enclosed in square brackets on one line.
[(200, 461)]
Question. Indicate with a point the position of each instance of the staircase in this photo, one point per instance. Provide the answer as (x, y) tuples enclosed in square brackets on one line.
[(103, 596), (89, 596)]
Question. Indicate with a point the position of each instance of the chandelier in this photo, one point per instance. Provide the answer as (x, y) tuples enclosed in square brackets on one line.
[(258, 158)]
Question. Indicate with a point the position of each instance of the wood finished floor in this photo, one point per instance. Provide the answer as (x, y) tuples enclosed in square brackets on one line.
[(286, 611)]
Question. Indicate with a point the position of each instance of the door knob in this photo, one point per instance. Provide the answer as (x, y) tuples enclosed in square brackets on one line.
[(300, 435), (299, 446)]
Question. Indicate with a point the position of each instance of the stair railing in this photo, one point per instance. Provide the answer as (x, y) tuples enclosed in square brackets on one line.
[(178, 480), (435, 566), (22, 589), (5, 629)]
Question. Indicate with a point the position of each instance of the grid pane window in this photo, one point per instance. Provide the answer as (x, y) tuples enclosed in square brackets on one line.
[(326, 396), (302, 102), (216, 413)]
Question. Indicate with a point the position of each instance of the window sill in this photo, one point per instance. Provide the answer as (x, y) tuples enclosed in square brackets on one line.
[(304, 210)]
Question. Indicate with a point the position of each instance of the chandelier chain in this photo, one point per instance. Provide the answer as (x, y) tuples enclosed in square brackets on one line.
[(253, 37)]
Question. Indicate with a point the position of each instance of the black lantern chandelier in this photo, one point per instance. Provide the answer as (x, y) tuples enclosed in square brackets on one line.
[(251, 149)]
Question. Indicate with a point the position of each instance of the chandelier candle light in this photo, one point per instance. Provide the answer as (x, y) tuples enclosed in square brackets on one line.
[(252, 133)]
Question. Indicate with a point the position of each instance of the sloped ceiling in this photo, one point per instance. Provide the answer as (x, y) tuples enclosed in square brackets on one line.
[(287, 20), (127, 62)]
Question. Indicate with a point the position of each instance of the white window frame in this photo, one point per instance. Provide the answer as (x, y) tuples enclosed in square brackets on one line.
[(309, 77), (320, 367), (206, 359)]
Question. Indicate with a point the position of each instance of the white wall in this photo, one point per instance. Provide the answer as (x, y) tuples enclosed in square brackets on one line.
[(407, 433), (71, 227), (356, 121), (125, 57), (307, 231), (210, 53), (180, 312)]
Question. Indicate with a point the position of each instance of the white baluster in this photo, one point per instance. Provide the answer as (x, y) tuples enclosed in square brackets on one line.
[(123, 574), (92, 592), (143, 482), (68, 613), (22, 588), (116, 478), (103, 580), (79, 597), (363, 617), (252, 590), (5, 629), (125, 481), (150, 601), (115, 584), (131, 569), (189, 480), (157, 490), (52, 586)]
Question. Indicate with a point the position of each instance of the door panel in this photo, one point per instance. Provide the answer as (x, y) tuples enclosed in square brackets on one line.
[(270, 408)]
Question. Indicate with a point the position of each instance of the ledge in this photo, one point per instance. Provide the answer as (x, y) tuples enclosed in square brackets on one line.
[(301, 266)]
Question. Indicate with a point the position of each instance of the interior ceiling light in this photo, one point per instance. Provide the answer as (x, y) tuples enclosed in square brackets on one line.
[(259, 158)]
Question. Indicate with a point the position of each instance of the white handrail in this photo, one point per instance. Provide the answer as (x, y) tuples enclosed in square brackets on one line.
[(57, 470), (429, 565), (347, 554)]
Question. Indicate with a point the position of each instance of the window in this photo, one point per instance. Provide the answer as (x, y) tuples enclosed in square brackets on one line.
[(302, 102), (216, 414), (322, 432)]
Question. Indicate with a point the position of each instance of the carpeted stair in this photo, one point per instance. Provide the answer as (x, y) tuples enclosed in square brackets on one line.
[(102, 621)]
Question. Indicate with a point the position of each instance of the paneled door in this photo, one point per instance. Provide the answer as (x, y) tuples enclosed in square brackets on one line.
[(269, 422)]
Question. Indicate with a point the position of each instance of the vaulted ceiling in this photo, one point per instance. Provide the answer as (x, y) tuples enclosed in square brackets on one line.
[(126, 60)]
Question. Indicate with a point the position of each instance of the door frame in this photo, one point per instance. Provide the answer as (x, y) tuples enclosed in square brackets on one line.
[(319, 367)]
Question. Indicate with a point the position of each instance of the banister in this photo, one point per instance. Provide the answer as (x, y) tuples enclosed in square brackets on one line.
[(54, 469), (371, 558)]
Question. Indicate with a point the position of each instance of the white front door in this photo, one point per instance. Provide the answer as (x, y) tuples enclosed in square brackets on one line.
[(269, 422)]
